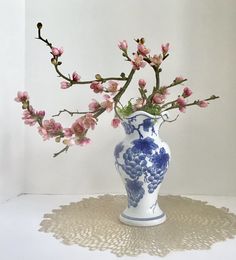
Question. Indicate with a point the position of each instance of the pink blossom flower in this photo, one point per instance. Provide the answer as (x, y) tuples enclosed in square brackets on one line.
[(123, 45), (88, 121), (156, 60), (22, 96), (49, 129), (139, 103), (143, 50), (165, 48), (65, 84), (113, 86), (76, 77), (43, 132), (115, 122), (68, 132), (158, 98), (84, 141), (108, 103), (29, 118), (187, 92), (77, 127), (94, 105), (178, 79), (97, 87), (181, 102), (138, 62), (202, 103), (57, 51), (40, 113), (142, 83)]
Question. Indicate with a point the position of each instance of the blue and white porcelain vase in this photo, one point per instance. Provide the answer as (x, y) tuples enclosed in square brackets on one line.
[(142, 159)]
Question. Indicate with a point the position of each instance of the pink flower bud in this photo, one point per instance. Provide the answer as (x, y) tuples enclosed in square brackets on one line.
[(84, 141), (29, 117), (203, 103), (40, 113), (142, 83), (113, 86), (156, 60), (57, 52), (94, 105), (178, 79), (181, 102), (187, 92), (68, 132), (143, 50), (158, 98), (108, 103), (165, 48), (87, 121), (50, 129), (65, 85), (115, 122), (123, 45), (76, 77), (77, 127), (97, 87), (22, 96), (138, 62)]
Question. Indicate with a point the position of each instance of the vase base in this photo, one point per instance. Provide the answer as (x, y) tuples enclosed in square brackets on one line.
[(142, 222)]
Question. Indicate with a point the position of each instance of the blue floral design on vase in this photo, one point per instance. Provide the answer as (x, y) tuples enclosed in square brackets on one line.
[(135, 191), (142, 160)]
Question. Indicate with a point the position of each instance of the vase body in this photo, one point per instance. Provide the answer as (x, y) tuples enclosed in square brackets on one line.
[(142, 159)]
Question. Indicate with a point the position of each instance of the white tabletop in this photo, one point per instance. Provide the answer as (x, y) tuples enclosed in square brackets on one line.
[(20, 239)]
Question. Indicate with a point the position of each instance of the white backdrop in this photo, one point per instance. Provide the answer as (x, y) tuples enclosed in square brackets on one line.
[(12, 42), (202, 40)]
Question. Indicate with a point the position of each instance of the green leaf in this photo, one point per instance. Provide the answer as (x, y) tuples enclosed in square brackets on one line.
[(152, 109), (126, 110)]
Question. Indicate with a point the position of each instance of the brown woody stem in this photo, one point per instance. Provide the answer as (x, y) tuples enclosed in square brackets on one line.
[(57, 64)]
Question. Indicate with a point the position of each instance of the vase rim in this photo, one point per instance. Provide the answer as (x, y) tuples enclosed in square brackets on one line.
[(143, 113)]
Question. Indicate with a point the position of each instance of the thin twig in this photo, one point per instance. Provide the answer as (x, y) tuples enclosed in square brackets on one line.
[(69, 112), (65, 149)]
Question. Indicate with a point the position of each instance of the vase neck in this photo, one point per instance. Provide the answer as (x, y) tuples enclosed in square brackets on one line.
[(142, 125)]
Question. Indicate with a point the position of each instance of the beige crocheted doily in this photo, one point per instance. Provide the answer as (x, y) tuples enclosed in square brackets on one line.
[(94, 223)]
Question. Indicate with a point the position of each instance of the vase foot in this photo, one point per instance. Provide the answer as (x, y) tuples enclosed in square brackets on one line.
[(142, 222)]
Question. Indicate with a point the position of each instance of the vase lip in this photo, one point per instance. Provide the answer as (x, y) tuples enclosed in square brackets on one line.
[(143, 113)]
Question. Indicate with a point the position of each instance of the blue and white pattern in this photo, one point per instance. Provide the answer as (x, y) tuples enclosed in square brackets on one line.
[(135, 191), (143, 159), (146, 125)]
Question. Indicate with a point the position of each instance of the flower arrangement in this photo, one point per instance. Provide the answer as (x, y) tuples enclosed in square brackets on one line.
[(111, 89)]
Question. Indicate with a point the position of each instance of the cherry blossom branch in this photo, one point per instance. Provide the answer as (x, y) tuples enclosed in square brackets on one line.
[(122, 91), (69, 112), (154, 103), (196, 102), (57, 63), (176, 82), (65, 149), (102, 110)]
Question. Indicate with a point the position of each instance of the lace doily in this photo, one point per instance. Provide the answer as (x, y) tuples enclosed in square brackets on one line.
[(94, 223)]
